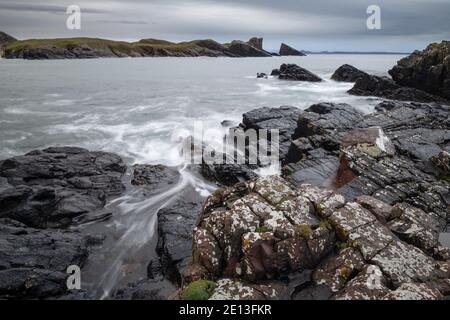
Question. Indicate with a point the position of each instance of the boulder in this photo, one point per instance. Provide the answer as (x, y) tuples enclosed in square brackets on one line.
[(427, 70), (347, 73), (296, 73), (56, 186), (286, 50)]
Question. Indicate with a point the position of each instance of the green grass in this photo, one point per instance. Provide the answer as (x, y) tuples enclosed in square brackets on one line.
[(199, 290)]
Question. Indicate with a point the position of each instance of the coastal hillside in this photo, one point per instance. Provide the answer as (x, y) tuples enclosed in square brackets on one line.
[(82, 48)]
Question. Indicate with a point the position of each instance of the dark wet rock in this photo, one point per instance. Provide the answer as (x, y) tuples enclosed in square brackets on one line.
[(347, 73), (52, 187), (154, 176), (286, 50), (175, 225), (427, 70), (33, 262), (228, 173), (261, 75), (243, 49), (142, 290), (256, 42), (297, 73), (384, 87), (283, 119), (275, 72), (227, 123)]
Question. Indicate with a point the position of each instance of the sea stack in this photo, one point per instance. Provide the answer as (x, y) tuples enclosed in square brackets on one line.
[(256, 42), (286, 50)]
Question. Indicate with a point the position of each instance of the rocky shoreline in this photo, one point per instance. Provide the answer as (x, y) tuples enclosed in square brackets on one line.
[(355, 214), (88, 48)]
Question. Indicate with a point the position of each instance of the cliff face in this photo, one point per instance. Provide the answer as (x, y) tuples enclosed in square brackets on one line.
[(5, 39), (428, 70), (286, 50), (81, 48)]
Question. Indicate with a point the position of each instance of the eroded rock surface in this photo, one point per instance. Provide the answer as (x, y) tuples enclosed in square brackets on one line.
[(347, 73), (264, 231)]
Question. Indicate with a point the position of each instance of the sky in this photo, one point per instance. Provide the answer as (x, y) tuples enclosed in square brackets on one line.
[(314, 25)]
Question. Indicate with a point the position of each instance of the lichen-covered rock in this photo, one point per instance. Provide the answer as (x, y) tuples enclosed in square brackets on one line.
[(372, 141), (337, 271), (414, 291), (228, 289), (415, 226), (369, 284), (381, 210), (442, 162)]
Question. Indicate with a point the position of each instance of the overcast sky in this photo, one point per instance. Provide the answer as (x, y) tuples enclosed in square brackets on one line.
[(305, 24)]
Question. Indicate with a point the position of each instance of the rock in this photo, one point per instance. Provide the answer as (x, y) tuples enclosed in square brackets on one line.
[(230, 290), (243, 49), (337, 271), (286, 50), (442, 162), (6, 38), (261, 76), (416, 227), (175, 225), (294, 72), (142, 290), (384, 87), (369, 284), (427, 70), (283, 119), (381, 210), (33, 262), (372, 141), (347, 73), (414, 291), (157, 178), (256, 42), (275, 72), (56, 186), (265, 231), (228, 174)]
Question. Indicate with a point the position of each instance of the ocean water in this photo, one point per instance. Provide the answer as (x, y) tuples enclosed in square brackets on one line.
[(141, 109)]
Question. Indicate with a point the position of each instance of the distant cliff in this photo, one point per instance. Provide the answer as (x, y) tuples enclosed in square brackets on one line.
[(83, 48), (4, 40)]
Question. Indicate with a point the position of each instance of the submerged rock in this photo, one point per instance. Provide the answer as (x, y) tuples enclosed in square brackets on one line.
[(347, 73)]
